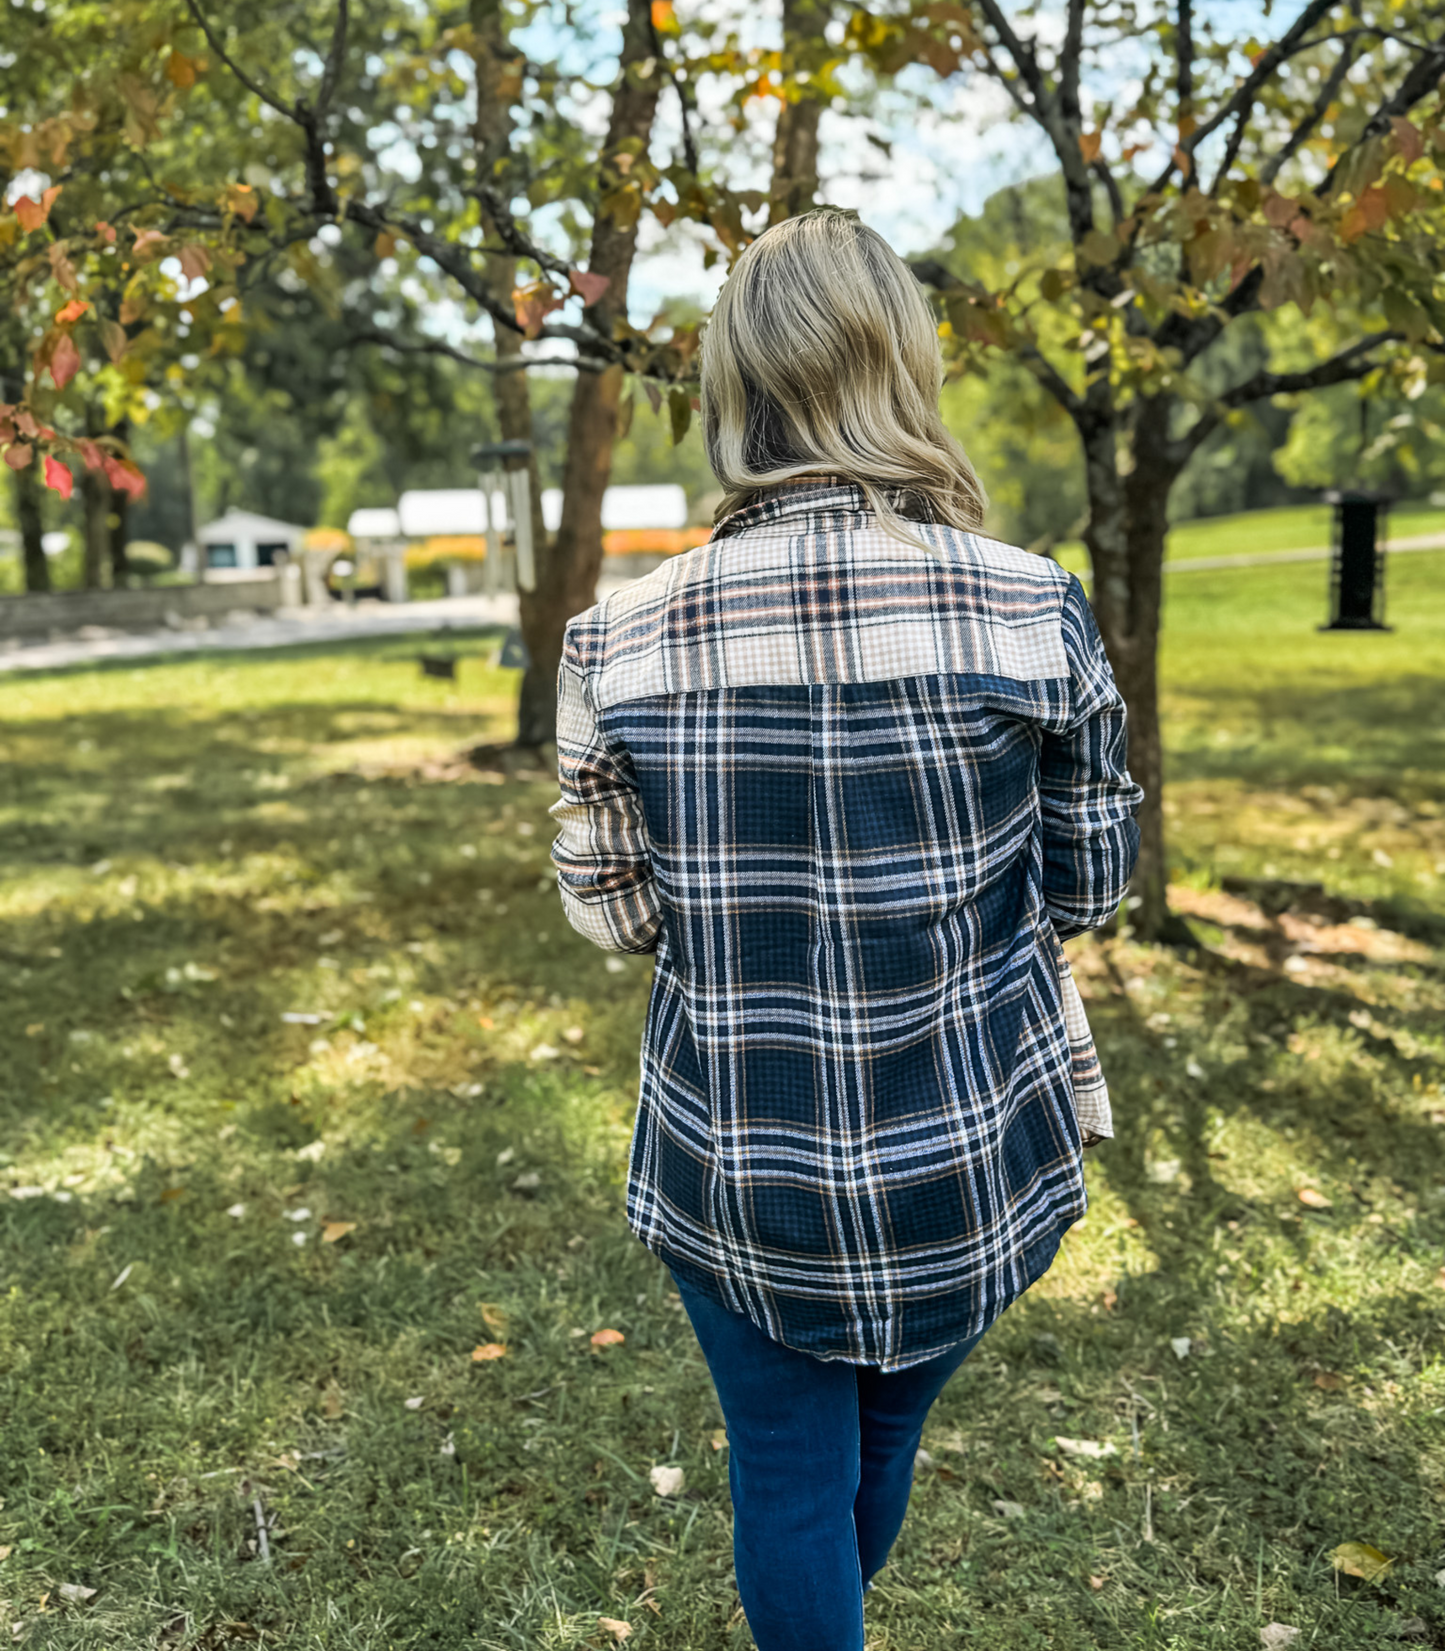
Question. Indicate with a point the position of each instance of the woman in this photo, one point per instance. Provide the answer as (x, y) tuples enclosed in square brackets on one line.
[(853, 772)]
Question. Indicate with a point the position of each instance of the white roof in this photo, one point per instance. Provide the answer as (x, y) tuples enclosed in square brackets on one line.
[(247, 526), (624, 507), (374, 524), (447, 510)]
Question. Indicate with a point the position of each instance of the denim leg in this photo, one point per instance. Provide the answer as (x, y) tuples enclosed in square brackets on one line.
[(892, 1409), (792, 1424)]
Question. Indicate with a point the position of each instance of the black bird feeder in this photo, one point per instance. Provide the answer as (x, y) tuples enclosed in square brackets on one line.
[(1357, 565)]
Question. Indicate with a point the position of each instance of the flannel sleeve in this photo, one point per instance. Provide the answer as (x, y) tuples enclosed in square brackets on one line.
[(1089, 803), (603, 867)]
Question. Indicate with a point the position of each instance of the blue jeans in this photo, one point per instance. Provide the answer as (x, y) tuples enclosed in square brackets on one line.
[(820, 1461)]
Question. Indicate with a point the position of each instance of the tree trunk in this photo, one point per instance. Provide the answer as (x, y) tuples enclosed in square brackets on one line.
[(795, 143), (117, 525), (1125, 537), (499, 70), (32, 527), (567, 573), (96, 493)]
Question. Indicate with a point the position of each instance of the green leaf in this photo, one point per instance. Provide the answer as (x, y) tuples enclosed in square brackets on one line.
[(679, 408)]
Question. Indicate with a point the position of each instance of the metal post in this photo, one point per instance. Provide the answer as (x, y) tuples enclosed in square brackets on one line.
[(520, 503), (492, 481), (1357, 567)]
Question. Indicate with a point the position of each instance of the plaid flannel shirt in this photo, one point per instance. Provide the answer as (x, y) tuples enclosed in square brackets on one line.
[(854, 795)]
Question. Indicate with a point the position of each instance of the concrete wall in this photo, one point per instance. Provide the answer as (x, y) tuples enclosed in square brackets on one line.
[(181, 607)]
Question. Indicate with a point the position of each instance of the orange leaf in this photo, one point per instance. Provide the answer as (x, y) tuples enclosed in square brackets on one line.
[(1353, 225), (1089, 145), (607, 1338), (334, 1230), (1314, 1200), (58, 477), (180, 69), (64, 362), (18, 455), (532, 305), (241, 199), (589, 288), (71, 311), (34, 213), (664, 17), (491, 1350)]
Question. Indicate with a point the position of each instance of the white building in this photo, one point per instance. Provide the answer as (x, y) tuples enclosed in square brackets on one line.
[(242, 540)]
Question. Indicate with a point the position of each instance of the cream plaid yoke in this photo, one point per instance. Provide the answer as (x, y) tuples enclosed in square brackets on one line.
[(853, 793)]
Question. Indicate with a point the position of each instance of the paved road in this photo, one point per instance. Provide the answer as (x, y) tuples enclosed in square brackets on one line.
[(288, 626), (339, 622)]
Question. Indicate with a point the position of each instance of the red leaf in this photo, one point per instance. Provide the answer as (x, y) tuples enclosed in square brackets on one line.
[(106, 232), (71, 312), (124, 477), (92, 454), (146, 239), (34, 213), (18, 455), (58, 477), (589, 288), (64, 362)]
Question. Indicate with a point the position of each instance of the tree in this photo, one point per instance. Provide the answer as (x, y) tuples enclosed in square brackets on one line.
[(1240, 178)]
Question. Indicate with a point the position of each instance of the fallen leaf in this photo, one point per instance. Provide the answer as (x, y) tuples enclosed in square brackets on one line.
[(1181, 1346), (1085, 1447), (76, 1592), (170, 1194), (1274, 1636), (334, 1230), (545, 1052), (718, 1438), (574, 1034), (123, 1275), (448, 1446), (493, 1317), (618, 1630), (1329, 1381), (414, 1403), (491, 1350), (667, 1481), (5, 1552), (311, 1154), (528, 1181), (1361, 1560), (505, 1156), (333, 1403), (236, 1211), (1008, 1510), (1315, 1200), (607, 1338), (1096, 1583)]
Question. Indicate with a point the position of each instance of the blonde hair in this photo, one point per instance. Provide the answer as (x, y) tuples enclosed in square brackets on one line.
[(821, 359)]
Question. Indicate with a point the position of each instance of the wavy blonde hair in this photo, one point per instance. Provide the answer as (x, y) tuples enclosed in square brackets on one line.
[(821, 359)]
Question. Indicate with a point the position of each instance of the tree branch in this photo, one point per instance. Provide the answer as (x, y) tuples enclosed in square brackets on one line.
[(1327, 94), (436, 346), (1244, 95), (252, 86), (1422, 79), (1347, 364)]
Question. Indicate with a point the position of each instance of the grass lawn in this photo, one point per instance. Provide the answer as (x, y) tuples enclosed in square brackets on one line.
[(247, 1259), (1255, 532)]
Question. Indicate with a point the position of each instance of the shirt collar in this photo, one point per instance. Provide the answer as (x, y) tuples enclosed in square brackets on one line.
[(807, 496)]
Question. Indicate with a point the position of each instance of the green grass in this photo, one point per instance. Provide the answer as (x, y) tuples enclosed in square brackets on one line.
[(1255, 532), (192, 849)]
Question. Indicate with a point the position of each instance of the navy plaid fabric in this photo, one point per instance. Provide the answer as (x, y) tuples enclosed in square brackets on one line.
[(853, 793)]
